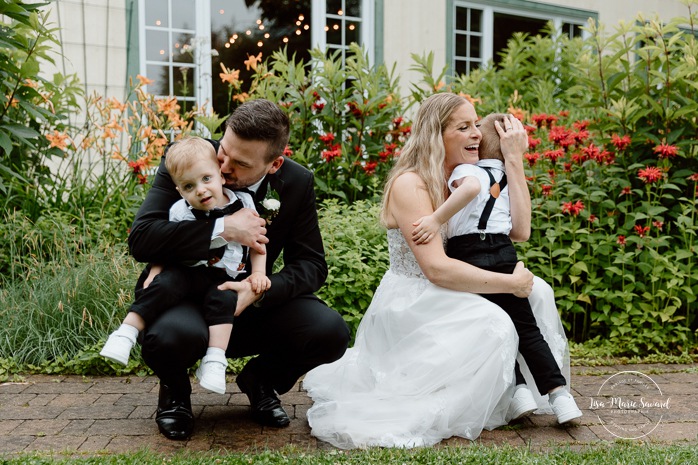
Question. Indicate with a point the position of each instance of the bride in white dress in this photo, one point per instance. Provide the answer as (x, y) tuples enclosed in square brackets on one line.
[(431, 359)]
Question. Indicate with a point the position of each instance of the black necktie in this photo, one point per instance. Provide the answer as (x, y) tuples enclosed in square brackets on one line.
[(218, 212)]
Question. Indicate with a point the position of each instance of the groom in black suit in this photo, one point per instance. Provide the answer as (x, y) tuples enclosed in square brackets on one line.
[(289, 329)]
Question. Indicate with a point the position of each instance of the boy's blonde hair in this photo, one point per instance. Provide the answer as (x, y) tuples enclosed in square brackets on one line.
[(490, 146), (185, 152)]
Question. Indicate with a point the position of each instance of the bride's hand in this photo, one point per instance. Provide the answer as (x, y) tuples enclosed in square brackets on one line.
[(513, 138), (523, 281)]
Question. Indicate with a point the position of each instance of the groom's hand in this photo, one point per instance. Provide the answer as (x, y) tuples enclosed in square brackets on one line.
[(247, 228), (523, 281), (246, 296)]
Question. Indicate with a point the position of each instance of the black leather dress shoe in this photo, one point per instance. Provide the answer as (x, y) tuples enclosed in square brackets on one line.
[(265, 405), (174, 416)]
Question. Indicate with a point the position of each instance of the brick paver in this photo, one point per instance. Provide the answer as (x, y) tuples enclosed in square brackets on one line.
[(116, 414)]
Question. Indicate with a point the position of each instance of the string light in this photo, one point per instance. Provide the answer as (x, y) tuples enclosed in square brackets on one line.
[(248, 32), (335, 27), (261, 27), (158, 22), (260, 43), (340, 12), (266, 36), (298, 23), (298, 32), (301, 17), (285, 40), (227, 45), (221, 11), (352, 27), (306, 27)]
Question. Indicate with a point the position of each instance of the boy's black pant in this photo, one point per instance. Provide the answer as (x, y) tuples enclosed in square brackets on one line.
[(496, 253), (178, 282)]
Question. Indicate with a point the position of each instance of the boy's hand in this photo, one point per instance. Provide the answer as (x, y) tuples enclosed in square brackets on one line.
[(154, 271), (259, 282), (426, 228)]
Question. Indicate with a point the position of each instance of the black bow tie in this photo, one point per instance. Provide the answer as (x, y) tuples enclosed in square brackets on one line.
[(218, 212)]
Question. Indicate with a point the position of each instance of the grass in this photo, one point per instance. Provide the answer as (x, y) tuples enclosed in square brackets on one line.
[(616, 453)]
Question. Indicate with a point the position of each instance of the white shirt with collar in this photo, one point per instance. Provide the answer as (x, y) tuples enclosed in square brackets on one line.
[(466, 220), (233, 255)]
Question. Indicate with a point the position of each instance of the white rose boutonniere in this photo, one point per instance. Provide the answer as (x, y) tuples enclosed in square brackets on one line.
[(270, 206)]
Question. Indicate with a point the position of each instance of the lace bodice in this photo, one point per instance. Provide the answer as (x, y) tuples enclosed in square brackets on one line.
[(402, 260)]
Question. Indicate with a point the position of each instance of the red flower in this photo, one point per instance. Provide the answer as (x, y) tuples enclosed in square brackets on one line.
[(539, 119), (564, 113), (532, 158), (621, 240), (318, 106), (626, 191), (327, 139), (559, 134), (658, 224), (334, 152), (553, 155), (592, 218), (641, 230), (621, 143), (581, 125), (650, 175), (397, 121), (370, 167), (666, 151), (354, 108), (573, 209), (533, 143), (580, 136), (693, 177), (287, 151), (546, 190), (567, 167)]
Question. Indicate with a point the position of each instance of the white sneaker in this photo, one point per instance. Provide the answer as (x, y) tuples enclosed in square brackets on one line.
[(211, 374), (118, 347), (565, 408), (522, 404)]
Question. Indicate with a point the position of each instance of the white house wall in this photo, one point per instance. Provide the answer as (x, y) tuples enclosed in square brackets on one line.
[(93, 36)]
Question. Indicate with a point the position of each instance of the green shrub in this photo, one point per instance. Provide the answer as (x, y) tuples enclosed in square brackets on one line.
[(356, 250)]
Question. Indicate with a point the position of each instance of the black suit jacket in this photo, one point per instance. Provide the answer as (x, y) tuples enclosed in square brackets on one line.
[(294, 231)]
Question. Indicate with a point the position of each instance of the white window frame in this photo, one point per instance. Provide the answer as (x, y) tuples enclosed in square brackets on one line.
[(488, 12), (202, 41)]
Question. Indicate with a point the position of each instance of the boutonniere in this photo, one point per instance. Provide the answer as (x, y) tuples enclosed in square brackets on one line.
[(270, 205)]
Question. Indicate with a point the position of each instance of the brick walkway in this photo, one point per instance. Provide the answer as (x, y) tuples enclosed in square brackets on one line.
[(104, 414)]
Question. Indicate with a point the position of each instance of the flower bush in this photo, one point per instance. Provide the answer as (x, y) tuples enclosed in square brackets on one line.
[(613, 142)]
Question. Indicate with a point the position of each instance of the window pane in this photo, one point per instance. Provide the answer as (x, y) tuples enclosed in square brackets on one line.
[(506, 25), (462, 45), (184, 81), (183, 14), (161, 77), (334, 31), (461, 67), (475, 20), (475, 47), (334, 7), (156, 13), (281, 25), (462, 19), (572, 30), (182, 51), (157, 48), (353, 8), (353, 32)]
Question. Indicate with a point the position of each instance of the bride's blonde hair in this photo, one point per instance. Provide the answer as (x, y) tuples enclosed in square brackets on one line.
[(424, 152)]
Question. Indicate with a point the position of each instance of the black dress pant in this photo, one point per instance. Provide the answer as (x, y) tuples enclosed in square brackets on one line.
[(177, 282), (289, 340), (497, 253)]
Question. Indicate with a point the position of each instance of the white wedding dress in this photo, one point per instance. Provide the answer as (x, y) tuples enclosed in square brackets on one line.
[(428, 363)]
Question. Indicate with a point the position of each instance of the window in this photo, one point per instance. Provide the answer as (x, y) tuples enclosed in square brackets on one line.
[(480, 31), (184, 42), (169, 29)]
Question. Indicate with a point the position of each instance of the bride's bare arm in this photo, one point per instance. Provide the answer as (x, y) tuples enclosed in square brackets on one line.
[(409, 201)]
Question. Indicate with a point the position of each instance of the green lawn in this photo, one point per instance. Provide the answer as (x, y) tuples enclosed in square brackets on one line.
[(608, 454)]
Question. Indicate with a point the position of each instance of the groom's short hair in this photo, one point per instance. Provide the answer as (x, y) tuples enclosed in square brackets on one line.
[(261, 120), (490, 147)]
